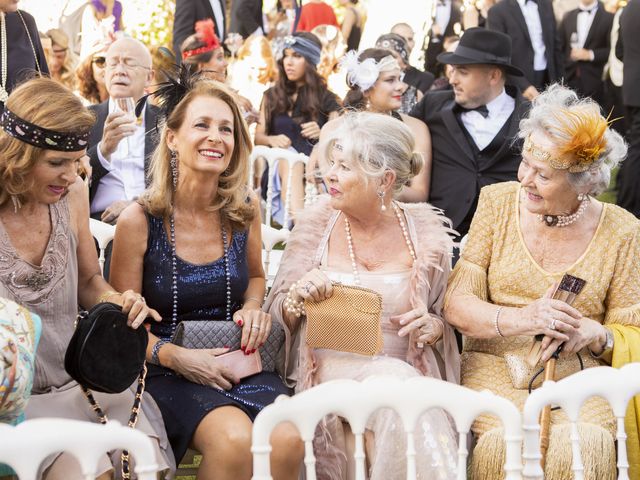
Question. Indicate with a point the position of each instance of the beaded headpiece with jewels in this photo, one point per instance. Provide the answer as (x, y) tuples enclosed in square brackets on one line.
[(584, 128), (42, 137)]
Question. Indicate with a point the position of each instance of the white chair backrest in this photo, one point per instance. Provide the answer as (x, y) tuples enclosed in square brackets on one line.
[(356, 401), (272, 155), (271, 258), (103, 233), (25, 446), (617, 386)]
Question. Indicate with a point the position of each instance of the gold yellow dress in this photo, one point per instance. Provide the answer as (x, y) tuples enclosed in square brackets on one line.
[(497, 267)]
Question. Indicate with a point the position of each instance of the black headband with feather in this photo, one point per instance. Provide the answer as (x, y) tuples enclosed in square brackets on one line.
[(171, 92)]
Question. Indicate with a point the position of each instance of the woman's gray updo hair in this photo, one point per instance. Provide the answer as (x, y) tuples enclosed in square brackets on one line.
[(375, 143), (549, 114)]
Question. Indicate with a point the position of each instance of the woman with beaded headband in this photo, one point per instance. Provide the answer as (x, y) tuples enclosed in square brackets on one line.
[(375, 85), (366, 160), (49, 261), (292, 113), (192, 245), (524, 237)]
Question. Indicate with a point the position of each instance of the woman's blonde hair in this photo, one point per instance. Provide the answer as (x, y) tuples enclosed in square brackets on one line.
[(249, 49), (232, 198), (67, 73), (375, 143), (48, 104)]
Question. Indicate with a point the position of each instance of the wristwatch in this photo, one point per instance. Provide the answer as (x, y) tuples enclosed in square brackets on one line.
[(607, 347), (155, 350)]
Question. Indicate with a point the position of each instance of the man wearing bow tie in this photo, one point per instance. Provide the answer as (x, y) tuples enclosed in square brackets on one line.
[(585, 42), (531, 25), (473, 126)]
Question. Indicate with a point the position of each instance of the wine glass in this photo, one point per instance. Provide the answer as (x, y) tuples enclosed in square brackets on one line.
[(233, 43), (574, 42), (128, 106)]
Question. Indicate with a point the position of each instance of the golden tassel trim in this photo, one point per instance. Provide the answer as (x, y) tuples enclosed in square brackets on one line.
[(467, 278)]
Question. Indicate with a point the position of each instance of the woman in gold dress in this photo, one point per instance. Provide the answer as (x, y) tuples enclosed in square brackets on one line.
[(524, 237)]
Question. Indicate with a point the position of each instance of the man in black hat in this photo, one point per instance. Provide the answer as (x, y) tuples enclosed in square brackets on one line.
[(473, 126)]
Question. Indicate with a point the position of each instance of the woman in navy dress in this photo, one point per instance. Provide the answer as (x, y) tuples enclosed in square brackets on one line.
[(199, 225)]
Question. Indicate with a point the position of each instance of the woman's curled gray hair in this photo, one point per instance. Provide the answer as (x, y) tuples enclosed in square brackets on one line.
[(550, 113), (375, 143)]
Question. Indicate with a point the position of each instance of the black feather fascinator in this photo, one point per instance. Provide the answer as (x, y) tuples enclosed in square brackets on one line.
[(170, 92)]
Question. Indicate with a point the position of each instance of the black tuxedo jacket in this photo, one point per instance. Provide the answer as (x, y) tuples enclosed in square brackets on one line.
[(506, 17), (188, 12), (584, 76), (434, 49), (628, 50), (150, 141), (246, 17), (456, 175)]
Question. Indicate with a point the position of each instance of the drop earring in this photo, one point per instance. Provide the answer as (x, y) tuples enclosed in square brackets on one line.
[(17, 205), (582, 197), (383, 207), (174, 168)]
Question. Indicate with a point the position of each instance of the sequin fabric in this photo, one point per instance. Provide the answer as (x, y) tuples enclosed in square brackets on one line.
[(201, 288), (497, 267)]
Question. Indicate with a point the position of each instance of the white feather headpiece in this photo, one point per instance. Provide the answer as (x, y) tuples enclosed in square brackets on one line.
[(364, 74)]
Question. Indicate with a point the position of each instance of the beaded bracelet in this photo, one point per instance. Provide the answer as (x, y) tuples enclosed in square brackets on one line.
[(495, 322), (292, 305)]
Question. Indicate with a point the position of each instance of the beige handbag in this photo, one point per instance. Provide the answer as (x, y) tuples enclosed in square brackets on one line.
[(522, 373), (348, 321)]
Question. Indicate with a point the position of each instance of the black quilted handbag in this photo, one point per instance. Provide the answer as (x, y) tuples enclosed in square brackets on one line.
[(222, 333), (105, 354)]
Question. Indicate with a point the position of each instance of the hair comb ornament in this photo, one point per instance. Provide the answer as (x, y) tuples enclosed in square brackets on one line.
[(206, 34), (41, 137), (171, 92), (364, 74)]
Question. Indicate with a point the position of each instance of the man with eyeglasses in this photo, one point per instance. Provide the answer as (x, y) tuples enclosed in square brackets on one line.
[(120, 145)]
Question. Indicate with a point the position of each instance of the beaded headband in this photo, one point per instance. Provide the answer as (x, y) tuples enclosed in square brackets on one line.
[(206, 34), (365, 73), (544, 156), (41, 137), (305, 47)]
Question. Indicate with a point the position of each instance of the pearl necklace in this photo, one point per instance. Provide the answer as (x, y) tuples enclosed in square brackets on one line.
[(4, 95), (174, 276), (352, 256), (564, 220)]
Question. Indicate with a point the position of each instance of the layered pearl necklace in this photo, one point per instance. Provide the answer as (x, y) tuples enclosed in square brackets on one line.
[(352, 256), (565, 220)]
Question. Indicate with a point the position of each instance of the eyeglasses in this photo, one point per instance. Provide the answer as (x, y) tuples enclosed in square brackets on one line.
[(127, 63), (99, 61)]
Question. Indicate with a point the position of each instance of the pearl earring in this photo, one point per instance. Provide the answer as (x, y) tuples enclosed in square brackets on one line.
[(582, 197), (383, 207)]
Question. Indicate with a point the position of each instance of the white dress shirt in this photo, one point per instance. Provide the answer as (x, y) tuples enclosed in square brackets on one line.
[(483, 130), (443, 16), (218, 17), (584, 22), (532, 19), (125, 180)]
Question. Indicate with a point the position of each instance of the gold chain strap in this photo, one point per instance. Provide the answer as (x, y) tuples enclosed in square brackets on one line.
[(133, 418)]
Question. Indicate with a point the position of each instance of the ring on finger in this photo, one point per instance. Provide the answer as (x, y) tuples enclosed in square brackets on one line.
[(552, 324), (255, 327), (307, 287)]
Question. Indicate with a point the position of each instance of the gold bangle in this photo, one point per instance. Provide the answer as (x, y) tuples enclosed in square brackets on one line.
[(103, 298)]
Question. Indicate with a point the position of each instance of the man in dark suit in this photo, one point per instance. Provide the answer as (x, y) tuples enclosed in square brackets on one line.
[(473, 126), (536, 47), (188, 12), (628, 50), (120, 145), (585, 34), (447, 16), (246, 17)]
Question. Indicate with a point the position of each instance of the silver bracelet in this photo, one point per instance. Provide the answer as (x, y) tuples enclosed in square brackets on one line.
[(155, 350), (495, 322), (255, 299)]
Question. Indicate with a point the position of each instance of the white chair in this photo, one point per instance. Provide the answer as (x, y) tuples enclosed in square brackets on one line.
[(356, 401), (617, 386), (103, 233), (25, 446), (270, 257), (272, 156)]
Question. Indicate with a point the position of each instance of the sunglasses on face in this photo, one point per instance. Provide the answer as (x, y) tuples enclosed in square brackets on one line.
[(99, 61)]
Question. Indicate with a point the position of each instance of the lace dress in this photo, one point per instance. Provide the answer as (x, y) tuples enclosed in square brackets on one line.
[(51, 291)]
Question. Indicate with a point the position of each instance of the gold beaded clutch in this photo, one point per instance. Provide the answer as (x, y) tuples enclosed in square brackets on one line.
[(348, 321)]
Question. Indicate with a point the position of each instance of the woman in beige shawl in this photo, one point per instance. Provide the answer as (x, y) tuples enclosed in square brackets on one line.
[(362, 236)]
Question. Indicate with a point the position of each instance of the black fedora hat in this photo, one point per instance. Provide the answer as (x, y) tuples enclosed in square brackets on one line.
[(482, 46)]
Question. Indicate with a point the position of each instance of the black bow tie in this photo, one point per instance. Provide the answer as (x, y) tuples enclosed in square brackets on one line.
[(482, 110), (588, 10)]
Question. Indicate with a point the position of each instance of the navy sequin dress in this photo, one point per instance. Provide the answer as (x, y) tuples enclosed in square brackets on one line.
[(201, 296)]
